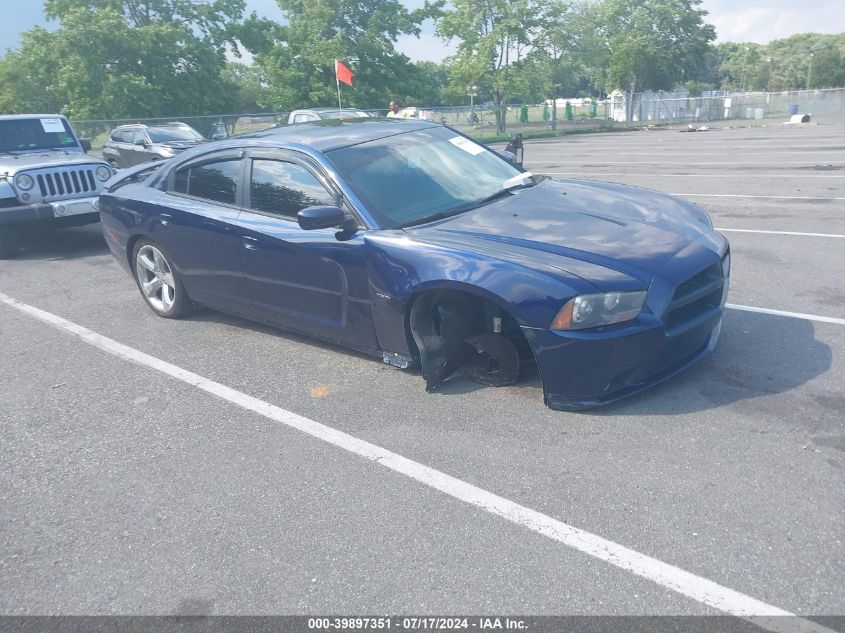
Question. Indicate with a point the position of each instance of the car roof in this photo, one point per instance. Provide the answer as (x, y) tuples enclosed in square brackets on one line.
[(347, 109), (19, 117), (330, 134), (145, 125)]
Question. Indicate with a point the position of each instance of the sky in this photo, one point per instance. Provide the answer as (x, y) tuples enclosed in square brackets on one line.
[(735, 20)]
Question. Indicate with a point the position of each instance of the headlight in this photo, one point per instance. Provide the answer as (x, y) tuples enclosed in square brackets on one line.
[(24, 182), (103, 173), (600, 309)]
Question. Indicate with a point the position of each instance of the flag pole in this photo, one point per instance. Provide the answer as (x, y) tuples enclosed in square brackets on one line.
[(337, 81)]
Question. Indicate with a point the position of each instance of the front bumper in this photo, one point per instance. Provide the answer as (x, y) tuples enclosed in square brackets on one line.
[(579, 372), (81, 208)]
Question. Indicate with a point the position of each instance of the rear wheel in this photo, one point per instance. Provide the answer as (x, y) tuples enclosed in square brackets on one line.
[(158, 282), (10, 239)]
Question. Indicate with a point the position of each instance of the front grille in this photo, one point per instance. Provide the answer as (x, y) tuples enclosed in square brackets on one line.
[(695, 299), (67, 182)]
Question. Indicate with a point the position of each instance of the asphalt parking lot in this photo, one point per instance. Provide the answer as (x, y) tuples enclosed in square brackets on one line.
[(126, 490)]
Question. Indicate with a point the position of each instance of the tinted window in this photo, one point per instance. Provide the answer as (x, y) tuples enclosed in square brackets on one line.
[(18, 135), (138, 135), (285, 188), (302, 118), (408, 178), (125, 136), (212, 181), (167, 133)]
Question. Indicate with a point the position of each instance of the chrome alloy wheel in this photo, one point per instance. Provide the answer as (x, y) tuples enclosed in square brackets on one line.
[(155, 278)]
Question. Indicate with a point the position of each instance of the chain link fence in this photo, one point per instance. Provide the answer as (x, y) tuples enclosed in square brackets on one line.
[(480, 121)]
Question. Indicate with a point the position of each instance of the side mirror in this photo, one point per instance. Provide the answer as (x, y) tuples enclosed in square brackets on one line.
[(320, 218), (141, 143), (85, 144)]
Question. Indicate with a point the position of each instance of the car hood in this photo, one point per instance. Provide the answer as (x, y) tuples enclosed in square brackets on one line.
[(10, 164), (592, 224), (182, 145)]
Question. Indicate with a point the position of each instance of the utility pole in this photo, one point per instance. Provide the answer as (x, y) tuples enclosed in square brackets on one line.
[(769, 82), (809, 70), (472, 92)]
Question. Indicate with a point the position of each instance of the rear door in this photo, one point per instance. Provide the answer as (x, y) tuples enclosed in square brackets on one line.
[(312, 281), (197, 225)]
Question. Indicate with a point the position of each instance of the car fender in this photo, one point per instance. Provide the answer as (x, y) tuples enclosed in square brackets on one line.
[(400, 270)]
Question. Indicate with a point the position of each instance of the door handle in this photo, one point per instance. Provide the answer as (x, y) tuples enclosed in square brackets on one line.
[(250, 243), (165, 218)]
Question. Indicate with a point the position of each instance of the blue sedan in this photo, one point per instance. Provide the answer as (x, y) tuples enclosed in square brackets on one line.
[(411, 242)]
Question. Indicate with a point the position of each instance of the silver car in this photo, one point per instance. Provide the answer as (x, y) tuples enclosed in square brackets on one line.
[(130, 145)]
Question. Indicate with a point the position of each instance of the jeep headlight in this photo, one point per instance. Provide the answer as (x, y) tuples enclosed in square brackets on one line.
[(587, 311), (24, 182), (103, 173)]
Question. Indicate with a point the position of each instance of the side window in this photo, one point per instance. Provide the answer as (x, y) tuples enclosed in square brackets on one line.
[(138, 135), (115, 136), (284, 188), (125, 136), (216, 181), (302, 118)]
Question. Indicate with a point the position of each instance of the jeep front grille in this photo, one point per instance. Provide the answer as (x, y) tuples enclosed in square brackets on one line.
[(68, 182)]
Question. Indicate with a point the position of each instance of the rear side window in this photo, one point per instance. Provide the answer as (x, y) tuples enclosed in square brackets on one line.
[(285, 189), (217, 181)]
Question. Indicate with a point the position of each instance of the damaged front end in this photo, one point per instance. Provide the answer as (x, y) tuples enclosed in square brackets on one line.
[(457, 332)]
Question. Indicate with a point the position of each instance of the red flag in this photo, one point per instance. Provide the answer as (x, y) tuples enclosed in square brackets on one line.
[(342, 72)]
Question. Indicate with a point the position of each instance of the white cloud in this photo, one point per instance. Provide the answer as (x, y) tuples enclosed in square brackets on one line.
[(761, 21), (426, 47)]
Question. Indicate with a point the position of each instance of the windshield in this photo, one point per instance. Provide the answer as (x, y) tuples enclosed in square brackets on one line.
[(167, 133), (409, 178), (22, 135), (343, 114)]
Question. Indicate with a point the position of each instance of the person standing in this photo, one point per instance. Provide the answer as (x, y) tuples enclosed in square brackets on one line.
[(393, 110)]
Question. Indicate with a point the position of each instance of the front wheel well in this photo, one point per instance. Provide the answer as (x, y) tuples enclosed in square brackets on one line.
[(450, 330)]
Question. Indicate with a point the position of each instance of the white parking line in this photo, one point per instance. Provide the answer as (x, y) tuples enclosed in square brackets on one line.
[(779, 232), (745, 195), (794, 315), (723, 163), (685, 583), (641, 175)]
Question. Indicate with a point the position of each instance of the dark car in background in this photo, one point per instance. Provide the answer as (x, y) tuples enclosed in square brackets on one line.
[(411, 242), (130, 145)]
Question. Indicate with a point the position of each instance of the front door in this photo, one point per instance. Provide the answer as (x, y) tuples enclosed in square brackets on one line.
[(312, 281)]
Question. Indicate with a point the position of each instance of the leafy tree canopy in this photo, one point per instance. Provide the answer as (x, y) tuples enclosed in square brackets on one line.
[(125, 58), (299, 61)]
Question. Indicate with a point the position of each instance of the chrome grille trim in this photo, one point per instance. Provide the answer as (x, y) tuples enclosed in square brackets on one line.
[(63, 183)]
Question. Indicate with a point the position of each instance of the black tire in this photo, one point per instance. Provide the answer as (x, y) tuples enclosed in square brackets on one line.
[(158, 281), (10, 240)]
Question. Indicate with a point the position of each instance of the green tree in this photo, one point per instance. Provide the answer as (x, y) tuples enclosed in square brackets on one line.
[(650, 44), (252, 86), (299, 62), (494, 38), (127, 58)]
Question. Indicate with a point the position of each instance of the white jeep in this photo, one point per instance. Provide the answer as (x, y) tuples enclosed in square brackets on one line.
[(46, 177)]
